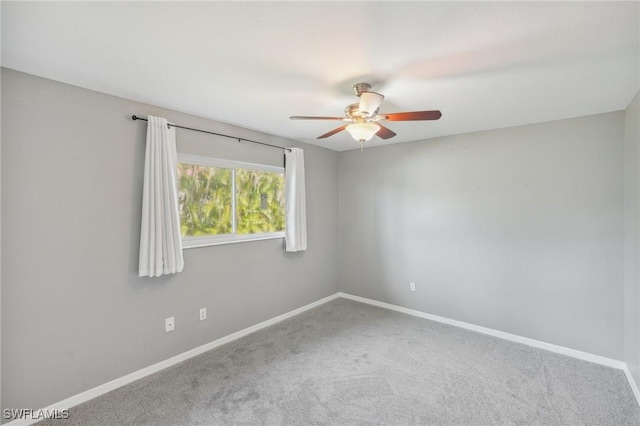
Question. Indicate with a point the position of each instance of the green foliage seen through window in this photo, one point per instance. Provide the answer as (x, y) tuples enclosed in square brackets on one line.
[(252, 214), (205, 200)]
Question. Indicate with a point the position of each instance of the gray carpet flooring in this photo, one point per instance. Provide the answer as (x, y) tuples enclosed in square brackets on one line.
[(347, 363)]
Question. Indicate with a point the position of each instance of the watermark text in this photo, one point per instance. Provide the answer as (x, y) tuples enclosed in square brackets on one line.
[(29, 414)]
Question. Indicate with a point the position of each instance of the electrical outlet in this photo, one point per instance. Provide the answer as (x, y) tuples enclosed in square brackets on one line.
[(412, 286), (203, 314), (169, 324)]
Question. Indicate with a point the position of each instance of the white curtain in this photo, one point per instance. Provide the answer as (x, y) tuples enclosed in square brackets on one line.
[(160, 243), (295, 234)]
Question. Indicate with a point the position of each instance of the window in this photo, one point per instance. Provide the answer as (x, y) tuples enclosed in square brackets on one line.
[(223, 201)]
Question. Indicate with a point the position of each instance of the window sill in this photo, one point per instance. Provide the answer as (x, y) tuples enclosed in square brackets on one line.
[(195, 242)]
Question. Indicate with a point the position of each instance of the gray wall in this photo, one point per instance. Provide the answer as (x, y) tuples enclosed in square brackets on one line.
[(0, 218), (519, 229), (632, 237), (74, 313)]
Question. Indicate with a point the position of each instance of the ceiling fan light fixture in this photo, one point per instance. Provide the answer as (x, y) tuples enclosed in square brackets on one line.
[(369, 103), (362, 132)]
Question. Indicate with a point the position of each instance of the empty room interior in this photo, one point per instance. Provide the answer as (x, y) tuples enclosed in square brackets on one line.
[(340, 213)]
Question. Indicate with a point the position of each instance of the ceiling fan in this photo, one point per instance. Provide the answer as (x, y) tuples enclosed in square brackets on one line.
[(365, 118)]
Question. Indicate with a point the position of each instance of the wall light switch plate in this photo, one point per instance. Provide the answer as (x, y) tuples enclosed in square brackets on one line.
[(203, 314), (412, 286), (169, 324)]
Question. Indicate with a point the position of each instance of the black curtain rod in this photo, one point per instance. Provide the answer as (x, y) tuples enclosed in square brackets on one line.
[(135, 117)]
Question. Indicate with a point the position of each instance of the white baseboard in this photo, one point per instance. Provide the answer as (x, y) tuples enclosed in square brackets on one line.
[(632, 383), (585, 356), (506, 336), (114, 384)]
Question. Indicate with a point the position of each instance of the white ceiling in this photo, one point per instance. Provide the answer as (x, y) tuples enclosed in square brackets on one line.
[(485, 65)]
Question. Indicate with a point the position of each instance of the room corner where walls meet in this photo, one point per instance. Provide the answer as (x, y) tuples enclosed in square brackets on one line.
[(632, 238)]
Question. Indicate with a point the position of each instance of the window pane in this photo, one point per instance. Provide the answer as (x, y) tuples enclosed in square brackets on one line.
[(260, 201), (204, 199)]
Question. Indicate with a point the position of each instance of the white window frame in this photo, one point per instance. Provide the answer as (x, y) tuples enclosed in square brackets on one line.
[(214, 240)]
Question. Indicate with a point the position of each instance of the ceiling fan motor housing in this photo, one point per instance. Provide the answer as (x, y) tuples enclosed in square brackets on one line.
[(353, 111)]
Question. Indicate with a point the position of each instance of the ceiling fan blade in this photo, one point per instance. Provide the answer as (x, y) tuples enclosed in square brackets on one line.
[(384, 132), (304, 117), (413, 116), (333, 132)]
